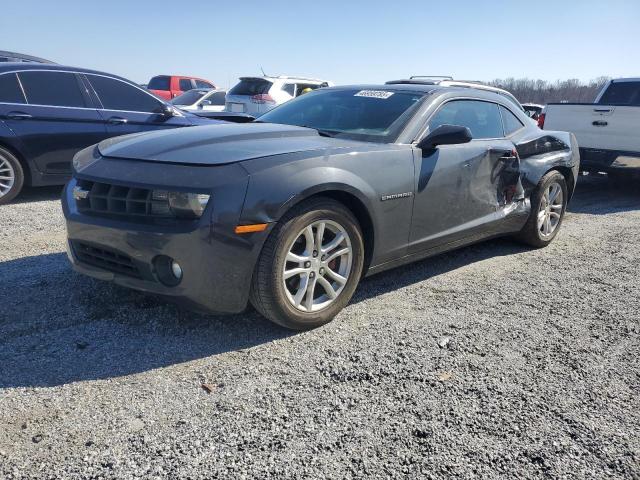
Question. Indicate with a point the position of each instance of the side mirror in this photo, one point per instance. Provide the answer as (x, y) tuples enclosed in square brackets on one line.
[(166, 110), (446, 135)]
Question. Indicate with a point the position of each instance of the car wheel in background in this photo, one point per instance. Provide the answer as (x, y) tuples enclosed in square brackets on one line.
[(309, 266), (11, 176), (548, 206)]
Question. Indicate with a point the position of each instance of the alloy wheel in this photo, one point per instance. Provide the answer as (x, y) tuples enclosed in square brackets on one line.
[(317, 266), (550, 212), (7, 176)]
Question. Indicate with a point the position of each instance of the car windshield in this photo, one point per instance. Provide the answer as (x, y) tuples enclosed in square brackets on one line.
[(369, 115), (189, 98)]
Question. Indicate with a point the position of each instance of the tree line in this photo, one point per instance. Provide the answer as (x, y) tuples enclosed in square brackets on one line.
[(541, 91)]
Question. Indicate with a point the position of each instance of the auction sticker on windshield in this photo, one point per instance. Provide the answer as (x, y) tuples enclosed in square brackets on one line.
[(374, 94)]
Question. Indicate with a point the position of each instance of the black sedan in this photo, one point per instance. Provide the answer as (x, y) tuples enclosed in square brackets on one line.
[(50, 112), (289, 212)]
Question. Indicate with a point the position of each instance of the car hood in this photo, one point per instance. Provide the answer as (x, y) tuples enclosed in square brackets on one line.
[(218, 144)]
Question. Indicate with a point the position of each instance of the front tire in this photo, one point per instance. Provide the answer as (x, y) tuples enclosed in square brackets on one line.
[(548, 206), (309, 266), (11, 176)]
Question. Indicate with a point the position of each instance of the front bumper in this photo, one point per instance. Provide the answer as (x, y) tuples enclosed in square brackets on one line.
[(217, 264)]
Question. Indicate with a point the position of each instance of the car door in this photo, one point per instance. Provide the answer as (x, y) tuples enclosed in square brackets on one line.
[(461, 189), (126, 108), (184, 85), (54, 120)]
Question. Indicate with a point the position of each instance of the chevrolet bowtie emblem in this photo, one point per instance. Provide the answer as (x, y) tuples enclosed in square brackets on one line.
[(80, 193)]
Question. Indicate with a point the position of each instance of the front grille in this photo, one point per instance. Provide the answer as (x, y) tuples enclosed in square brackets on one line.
[(106, 259), (117, 200)]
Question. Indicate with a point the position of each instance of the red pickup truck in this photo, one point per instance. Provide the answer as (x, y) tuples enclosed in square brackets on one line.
[(170, 86)]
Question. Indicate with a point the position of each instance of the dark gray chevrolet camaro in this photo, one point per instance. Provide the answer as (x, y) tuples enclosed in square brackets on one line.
[(290, 211)]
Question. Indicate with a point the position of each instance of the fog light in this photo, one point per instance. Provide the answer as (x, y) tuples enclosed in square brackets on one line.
[(167, 270), (176, 269)]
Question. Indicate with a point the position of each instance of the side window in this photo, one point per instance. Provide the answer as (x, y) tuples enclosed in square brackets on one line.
[(203, 84), (58, 89), (117, 95), (10, 91), (510, 121), (482, 118), (622, 93), (217, 98), (290, 88), (304, 88), (161, 82), (185, 84)]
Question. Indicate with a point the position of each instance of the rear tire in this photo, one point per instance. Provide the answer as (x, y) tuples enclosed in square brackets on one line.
[(548, 206), (11, 176), (309, 266)]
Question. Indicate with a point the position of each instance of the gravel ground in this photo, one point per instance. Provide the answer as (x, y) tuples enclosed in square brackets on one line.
[(494, 361)]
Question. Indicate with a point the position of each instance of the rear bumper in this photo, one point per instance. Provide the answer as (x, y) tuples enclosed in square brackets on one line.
[(609, 160), (217, 268)]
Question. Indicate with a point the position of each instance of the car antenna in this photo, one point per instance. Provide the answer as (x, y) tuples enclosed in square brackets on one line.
[(263, 74)]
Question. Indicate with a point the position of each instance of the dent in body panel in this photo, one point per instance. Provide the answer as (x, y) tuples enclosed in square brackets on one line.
[(278, 183), (541, 153), (460, 184)]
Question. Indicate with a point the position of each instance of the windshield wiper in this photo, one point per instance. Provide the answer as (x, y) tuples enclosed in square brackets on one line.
[(321, 132)]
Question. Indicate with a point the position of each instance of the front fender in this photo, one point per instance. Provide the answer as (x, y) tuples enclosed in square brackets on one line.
[(278, 184)]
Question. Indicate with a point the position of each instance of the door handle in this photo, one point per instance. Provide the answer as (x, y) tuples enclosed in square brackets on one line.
[(600, 123), (117, 121), (505, 158), (19, 116)]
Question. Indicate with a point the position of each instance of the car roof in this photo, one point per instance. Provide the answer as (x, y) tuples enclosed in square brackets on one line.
[(419, 87), (13, 66), (191, 77), (283, 77), (400, 87), (21, 57)]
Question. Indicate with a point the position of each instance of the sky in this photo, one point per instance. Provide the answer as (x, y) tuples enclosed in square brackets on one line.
[(342, 41)]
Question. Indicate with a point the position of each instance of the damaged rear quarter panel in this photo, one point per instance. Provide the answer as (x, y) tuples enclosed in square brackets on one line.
[(543, 151)]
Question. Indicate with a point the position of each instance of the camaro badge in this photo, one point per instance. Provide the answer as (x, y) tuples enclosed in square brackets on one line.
[(393, 196)]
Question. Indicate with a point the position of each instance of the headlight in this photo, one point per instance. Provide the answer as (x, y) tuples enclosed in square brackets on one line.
[(85, 157), (180, 204)]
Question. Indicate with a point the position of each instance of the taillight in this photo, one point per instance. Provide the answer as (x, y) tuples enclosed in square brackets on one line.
[(262, 98), (541, 120)]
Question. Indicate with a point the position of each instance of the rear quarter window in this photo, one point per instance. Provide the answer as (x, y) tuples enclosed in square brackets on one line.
[(161, 82), (10, 91), (251, 87), (510, 122)]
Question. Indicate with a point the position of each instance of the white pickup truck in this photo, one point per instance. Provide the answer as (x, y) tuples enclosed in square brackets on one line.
[(608, 131)]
